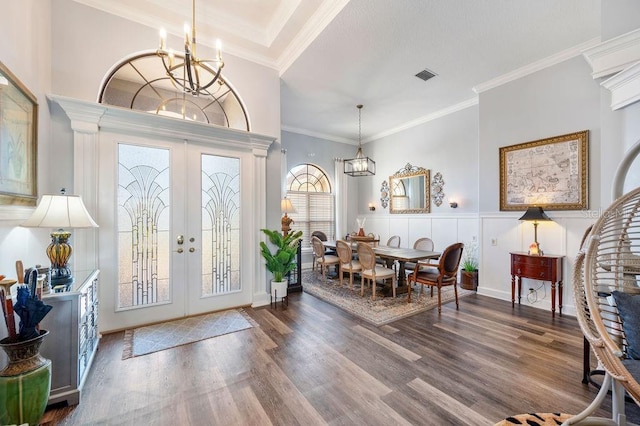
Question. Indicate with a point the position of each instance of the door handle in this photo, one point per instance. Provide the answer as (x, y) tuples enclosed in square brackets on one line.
[(180, 239), (180, 250), (191, 250)]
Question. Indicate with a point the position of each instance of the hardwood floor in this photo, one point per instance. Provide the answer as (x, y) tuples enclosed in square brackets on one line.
[(311, 363)]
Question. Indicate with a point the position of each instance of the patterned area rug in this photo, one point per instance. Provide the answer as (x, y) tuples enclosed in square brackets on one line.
[(378, 312), (157, 337), (534, 419)]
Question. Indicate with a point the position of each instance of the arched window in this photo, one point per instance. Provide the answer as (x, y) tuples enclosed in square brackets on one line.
[(309, 190), (140, 82)]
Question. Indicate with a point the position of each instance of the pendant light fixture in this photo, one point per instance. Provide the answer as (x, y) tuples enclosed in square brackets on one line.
[(361, 165), (188, 72)]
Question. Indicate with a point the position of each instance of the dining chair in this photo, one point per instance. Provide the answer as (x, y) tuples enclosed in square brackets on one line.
[(371, 271), (347, 262), (322, 237), (394, 241), (425, 244), (441, 274), (322, 260)]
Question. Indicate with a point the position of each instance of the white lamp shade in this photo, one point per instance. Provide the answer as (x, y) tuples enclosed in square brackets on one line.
[(60, 211), (286, 206)]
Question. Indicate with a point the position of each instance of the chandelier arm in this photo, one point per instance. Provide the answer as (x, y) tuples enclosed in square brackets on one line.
[(174, 81), (215, 77), (187, 64)]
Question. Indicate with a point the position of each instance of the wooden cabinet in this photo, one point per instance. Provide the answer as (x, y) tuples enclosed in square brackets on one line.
[(73, 336), (543, 268)]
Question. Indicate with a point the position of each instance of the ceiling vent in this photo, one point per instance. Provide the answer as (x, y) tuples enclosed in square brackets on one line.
[(425, 74)]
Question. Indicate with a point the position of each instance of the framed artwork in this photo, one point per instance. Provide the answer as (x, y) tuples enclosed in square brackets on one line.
[(550, 173), (18, 141)]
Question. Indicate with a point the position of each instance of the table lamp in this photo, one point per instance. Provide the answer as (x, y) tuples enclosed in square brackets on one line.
[(535, 215), (61, 212), (286, 207)]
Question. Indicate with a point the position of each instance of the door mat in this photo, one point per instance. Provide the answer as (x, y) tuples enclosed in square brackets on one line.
[(381, 311), (158, 337)]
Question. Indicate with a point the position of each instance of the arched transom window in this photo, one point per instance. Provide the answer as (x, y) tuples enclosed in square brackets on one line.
[(309, 190)]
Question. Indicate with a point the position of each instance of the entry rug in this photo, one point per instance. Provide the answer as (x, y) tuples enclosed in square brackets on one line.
[(158, 337), (378, 312)]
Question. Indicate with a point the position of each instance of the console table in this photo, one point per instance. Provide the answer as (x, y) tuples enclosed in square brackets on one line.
[(542, 268), (73, 336)]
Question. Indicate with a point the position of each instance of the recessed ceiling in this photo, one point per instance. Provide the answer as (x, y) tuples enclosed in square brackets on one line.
[(335, 54)]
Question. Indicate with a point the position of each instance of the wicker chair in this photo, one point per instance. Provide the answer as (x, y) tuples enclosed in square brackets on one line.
[(607, 263), (322, 260), (425, 244), (372, 272), (347, 263)]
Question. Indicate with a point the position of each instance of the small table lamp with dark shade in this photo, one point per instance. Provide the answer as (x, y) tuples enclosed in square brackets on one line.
[(60, 212), (535, 215)]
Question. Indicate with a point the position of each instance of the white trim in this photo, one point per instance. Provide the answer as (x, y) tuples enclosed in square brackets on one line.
[(315, 25), (536, 66), (426, 118), (613, 55), (624, 87)]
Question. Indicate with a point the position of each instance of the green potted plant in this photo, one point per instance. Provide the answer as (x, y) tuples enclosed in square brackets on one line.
[(282, 261), (469, 273)]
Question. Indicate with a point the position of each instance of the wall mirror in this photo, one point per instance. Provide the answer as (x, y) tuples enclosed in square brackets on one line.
[(409, 188)]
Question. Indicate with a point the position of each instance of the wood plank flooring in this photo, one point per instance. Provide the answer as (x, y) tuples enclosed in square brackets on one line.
[(312, 364)]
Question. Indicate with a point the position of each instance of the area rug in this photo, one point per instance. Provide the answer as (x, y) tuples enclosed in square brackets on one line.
[(536, 419), (378, 312), (157, 337)]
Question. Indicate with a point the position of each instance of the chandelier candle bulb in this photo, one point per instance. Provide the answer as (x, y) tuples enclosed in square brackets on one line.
[(163, 38), (218, 50)]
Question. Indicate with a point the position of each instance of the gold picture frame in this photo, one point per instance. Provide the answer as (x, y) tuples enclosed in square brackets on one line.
[(18, 141), (550, 173)]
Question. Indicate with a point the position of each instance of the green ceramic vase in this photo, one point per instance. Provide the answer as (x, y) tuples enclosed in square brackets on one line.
[(25, 382)]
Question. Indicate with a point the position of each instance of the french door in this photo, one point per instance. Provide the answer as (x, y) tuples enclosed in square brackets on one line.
[(177, 236)]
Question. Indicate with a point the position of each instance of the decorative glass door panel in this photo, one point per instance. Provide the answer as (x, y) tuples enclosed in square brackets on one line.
[(220, 225), (143, 223)]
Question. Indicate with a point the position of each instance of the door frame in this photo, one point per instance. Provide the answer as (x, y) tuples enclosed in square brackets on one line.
[(93, 123)]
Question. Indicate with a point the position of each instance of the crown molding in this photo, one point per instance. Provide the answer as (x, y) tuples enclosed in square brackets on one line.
[(313, 134), (536, 66), (614, 55), (624, 87), (424, 119), (316, 24)]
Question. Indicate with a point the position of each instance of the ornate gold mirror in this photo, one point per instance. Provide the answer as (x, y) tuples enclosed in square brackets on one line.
[(409, 190)]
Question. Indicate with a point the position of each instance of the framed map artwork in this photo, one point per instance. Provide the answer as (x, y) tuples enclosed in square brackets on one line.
[(549, 173), (18, 141)]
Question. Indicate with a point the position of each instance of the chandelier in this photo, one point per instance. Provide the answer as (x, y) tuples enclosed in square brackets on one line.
[(361, 165), (188, 72)]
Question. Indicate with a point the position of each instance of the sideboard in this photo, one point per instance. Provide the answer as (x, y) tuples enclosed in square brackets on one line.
[(73, 336)]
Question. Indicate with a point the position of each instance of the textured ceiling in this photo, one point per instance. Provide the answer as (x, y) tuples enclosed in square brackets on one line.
[(334, 54)]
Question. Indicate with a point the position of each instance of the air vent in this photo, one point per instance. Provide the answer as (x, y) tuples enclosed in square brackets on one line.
[(425, 74)]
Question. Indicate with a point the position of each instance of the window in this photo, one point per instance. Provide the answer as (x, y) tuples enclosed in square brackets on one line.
[(309, 190)]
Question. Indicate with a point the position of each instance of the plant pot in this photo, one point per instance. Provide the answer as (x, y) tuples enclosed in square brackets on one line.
[(469, 280), (279, 289), (25, 382)]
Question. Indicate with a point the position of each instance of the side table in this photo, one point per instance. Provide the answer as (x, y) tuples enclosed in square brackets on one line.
[(542, 268)]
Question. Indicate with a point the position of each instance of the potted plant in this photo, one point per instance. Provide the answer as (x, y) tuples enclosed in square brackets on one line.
[(282, 261), (469, 273)]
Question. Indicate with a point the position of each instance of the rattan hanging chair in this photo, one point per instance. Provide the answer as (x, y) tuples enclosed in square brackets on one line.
[(608, 262)]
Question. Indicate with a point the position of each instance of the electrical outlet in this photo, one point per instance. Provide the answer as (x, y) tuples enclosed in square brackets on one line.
[(494, 241)]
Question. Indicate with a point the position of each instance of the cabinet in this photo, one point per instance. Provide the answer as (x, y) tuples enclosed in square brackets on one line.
[(543, 268), (73, 336)]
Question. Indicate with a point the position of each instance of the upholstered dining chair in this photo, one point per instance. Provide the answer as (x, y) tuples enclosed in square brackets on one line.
[(425, 244), (322, 237), (347, 262), (322, 260), (441, 274), (394, 241), (371, 271)]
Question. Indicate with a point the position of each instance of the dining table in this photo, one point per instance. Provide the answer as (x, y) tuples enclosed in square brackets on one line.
[(403, 255), (399, 254)]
